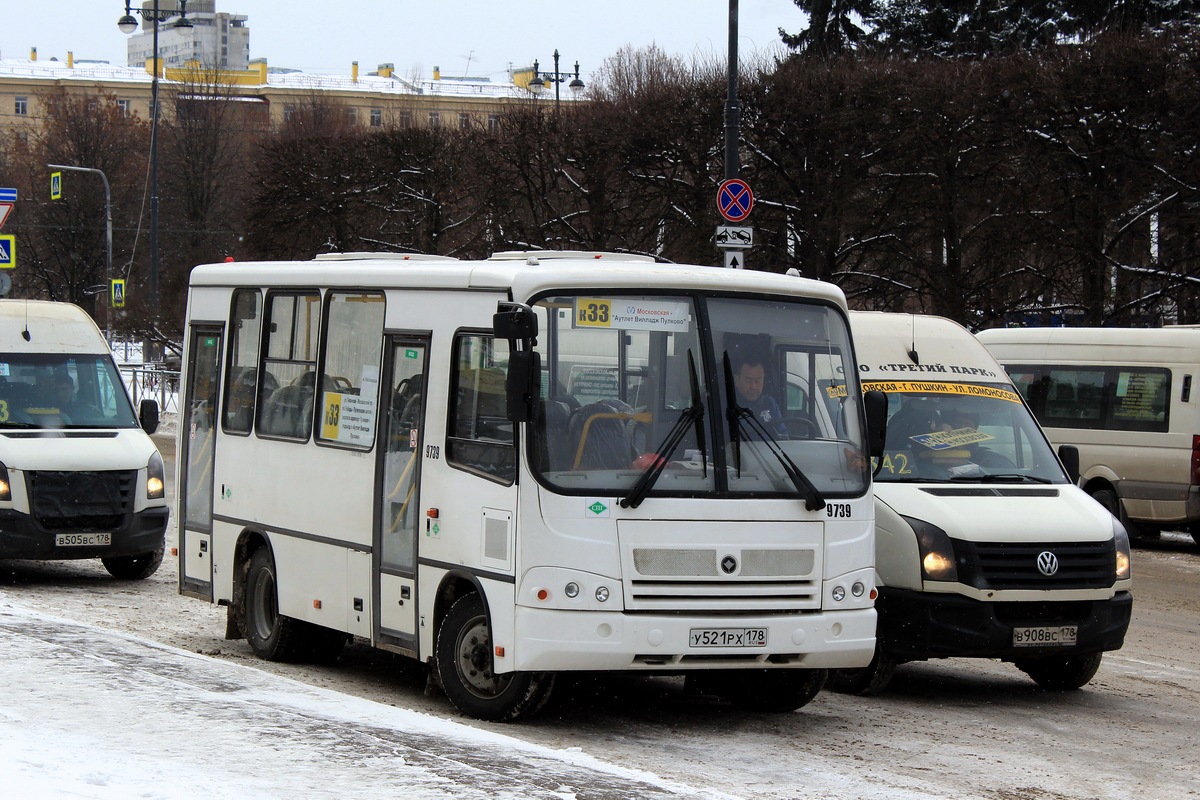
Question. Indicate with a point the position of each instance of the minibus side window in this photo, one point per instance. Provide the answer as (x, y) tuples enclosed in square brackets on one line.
[(289, 365), (241, 379), (480, 436), (349, 386)]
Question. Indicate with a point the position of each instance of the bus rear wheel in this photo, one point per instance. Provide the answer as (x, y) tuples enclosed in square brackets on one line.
[(271, 635), (775, 691), (467, 672)]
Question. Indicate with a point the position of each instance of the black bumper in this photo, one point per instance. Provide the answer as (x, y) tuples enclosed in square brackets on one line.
[(919, 625), (22, 537)]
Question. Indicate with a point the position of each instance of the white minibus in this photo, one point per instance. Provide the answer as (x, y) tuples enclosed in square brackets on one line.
[(79, 476), (525, 465), (1124, 398), (984, 547)]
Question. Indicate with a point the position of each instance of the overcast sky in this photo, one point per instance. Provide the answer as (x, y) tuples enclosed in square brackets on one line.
[(479, 37)]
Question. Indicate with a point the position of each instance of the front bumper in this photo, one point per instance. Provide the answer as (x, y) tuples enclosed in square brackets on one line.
[(919, 625), (140, 532), (557, 640)]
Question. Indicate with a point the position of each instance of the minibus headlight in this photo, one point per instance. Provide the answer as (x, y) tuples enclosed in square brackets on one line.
[(937, 554), (5, 487), (1121, 539), (156, 483)]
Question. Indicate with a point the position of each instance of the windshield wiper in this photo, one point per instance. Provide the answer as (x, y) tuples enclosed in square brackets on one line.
[(1005, 477), (693, 415), (739, 415)]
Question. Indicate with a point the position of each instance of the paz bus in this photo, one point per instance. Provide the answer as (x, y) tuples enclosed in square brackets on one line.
[(527, 465)]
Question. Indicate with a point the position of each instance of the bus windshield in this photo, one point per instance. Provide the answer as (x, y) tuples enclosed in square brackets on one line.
[(695, 395), (41, 391), (948, 431)]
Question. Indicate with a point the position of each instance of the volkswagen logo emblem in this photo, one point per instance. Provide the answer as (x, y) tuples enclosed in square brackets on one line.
[(729, 565), (1047, 563)]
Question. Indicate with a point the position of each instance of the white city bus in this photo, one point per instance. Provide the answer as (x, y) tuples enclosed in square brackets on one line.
[(526, 465)]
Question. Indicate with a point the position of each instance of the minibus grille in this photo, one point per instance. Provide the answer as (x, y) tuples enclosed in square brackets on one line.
[(81, 500), (1000, 565), (684, 579)]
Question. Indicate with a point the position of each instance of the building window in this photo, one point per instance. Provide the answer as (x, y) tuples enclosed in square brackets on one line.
[(21, 108), (289, 113), (123, 107), (435, 119), (464, 120), (406, 119), (376, 117), (493, 122), (351, 117), (23, 138)]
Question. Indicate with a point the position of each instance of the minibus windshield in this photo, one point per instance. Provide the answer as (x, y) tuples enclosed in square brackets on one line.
[(51, 391), (964, 432), (635, 392)]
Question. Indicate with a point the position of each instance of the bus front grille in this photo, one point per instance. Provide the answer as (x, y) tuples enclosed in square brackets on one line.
[(751, 579)]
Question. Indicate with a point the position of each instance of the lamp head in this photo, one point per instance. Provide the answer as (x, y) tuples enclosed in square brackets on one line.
[(127, 24)]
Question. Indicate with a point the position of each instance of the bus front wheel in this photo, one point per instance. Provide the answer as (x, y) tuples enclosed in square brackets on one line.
[(133, 568), (467, 672), (271, 635), (775, 691), (1062, 673)]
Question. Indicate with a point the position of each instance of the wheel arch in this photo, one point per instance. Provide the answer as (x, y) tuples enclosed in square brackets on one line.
[(249, 541), (454, 585)]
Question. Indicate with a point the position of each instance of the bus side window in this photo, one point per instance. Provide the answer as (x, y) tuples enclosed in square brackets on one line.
[(481, 436), (241, 378)]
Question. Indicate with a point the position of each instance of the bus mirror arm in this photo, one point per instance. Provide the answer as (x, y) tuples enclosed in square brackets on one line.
[(1068, 454), (875, 403), (515, 322)]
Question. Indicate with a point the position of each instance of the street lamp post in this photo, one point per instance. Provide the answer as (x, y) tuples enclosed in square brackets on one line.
[(108, 249), (537, 84), (128, 24)]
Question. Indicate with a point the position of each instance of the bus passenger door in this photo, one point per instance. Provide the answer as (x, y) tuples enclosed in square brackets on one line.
[(399, 492), (196, 451)]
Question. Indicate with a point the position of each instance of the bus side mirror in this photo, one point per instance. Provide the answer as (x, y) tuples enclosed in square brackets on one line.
[(514, 321), (148, 415), (1068, 454), (875, 403), (522, 384)]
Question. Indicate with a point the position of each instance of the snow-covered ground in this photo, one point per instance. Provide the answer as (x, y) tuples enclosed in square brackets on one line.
[(93, 713)]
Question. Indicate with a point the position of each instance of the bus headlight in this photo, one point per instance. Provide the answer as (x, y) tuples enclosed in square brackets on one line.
[(937, 554), (1121, 539), (156, 484), (5, 487)]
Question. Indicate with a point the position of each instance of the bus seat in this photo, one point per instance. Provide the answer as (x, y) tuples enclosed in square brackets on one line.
[(600, 433), (286, 411)]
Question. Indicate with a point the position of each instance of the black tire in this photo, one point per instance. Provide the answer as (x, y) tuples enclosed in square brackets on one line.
[(1061, 673), (271, 635), (869, 680), (1108, 498), (134, 568), (774, 691), (464, 665)]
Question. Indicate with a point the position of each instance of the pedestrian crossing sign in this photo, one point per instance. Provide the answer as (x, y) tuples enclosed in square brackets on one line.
[(56, 186), (8, 251), (118, 293)]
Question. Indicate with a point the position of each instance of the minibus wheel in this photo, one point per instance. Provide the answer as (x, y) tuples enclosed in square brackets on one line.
[(775, 691), (464, 665), (869, 680), (271, 635), (133, 568), (1061, 672)]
